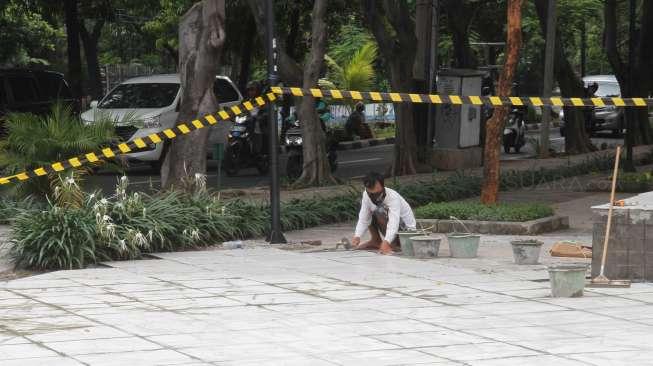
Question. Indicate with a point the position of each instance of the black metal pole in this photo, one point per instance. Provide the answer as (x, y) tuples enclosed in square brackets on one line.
[(275, 236), (629, 166)]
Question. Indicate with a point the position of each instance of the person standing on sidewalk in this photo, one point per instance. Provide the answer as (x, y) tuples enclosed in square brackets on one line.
[(384, 213)]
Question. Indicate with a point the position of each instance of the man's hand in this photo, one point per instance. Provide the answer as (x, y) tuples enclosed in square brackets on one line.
[(385, 248), (355, 242)]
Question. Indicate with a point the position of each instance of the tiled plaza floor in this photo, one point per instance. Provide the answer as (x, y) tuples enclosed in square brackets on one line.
[(267, 306)]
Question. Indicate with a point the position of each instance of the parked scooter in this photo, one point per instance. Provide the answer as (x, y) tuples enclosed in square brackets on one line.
[(294, 146), (241, 151), (514, 134)]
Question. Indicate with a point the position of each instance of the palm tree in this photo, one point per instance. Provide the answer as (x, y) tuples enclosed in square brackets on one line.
[(357, 74), (33, 141)]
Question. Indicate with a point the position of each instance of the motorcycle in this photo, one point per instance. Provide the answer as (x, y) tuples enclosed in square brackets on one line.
[(514, 134), (241, 151), (293, 143)]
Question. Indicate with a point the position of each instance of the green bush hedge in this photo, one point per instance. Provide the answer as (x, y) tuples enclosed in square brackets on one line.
[(477, 211), (76, 229)]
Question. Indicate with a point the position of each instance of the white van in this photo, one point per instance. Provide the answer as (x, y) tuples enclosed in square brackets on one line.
[(152, 105)]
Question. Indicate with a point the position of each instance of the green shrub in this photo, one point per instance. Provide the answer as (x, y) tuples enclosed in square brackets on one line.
[(78, 228), (33, 141), (477, 211), (10, 208)]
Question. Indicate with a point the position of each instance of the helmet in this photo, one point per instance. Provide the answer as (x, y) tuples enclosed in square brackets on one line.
[(360, 106), (254, 85)]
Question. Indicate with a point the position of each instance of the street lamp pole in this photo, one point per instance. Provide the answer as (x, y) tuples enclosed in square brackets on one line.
[(275, 236)]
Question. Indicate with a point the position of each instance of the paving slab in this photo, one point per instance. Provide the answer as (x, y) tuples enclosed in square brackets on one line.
[(271, 306)]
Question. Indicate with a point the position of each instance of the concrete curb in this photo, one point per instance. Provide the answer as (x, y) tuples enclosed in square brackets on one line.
[(544, 225), (353, 145), (536, 126)]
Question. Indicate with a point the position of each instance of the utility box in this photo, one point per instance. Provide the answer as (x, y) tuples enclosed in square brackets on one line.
[(458, 127)]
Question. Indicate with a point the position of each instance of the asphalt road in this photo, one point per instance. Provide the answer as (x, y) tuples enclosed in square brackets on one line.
[(351, 164)]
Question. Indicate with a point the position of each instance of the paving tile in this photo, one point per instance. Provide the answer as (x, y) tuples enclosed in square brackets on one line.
[(542, 360), (585, 303), (140, 358), (11, 338), (112, 345), (624, 358), (76, 333), (271, 299), (429, 339), (43, 361), (386, 358), (524, 333), (387, 327), (290, 361), (23, 350), (245, 352), (218, 338), (478, 351), (577, 345), (514, 307)]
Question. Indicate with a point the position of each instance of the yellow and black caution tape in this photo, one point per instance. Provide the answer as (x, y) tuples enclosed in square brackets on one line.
[(230, 113), (465, 99), (140, 143)]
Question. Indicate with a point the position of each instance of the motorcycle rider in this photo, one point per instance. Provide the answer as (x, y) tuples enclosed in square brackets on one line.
[(355, 121), (259, 137)]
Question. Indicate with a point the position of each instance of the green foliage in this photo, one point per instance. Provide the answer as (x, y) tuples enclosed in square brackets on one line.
[(351, 38), (26, 38), (78, 229), (477, 211), (33, 141), (634, 182), (10, 208)]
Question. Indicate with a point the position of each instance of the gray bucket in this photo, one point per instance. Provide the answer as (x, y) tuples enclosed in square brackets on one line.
[(526, 251), (463, 245), (406, 243), (567, 280), (425, 246)]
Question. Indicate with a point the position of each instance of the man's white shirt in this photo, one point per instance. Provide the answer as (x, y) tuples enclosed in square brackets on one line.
[(399, 211)]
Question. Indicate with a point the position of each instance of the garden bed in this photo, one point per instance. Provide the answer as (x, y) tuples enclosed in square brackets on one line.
[(531, 227)]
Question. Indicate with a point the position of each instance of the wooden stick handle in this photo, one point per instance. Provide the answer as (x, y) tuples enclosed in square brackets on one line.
[(609, 223)]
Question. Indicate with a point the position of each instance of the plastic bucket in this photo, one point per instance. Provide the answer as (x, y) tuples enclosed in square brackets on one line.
[(567, 280), (425, 246), (406, 243), (526, 251), (463, 245)]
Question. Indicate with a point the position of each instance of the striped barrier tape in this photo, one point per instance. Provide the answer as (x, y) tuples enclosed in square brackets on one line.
[(209, 120), (140, 143), (465, 99)]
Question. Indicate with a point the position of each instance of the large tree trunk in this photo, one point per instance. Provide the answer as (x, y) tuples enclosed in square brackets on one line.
[(491, 174), (577, 140), (289, 70), (640, 86), (391, 24), (316, 165), (74, 56), (201, 36), (90, 41), (459, 19)]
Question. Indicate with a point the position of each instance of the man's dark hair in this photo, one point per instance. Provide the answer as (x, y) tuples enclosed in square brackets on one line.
[(371, 178)]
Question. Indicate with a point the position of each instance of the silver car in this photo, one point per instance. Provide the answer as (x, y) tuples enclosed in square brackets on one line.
[(149, 104), (603, 118)]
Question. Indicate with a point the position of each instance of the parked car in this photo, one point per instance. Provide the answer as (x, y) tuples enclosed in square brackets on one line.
[(24, 90), (609, 118), (151, 105)]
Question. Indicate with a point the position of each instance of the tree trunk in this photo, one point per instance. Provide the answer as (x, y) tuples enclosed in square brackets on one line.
[(316, 169), (246, 53), (90, 41), (289, 70), (391, 24), (201, 37), (74, 56), (577, 140), (459, 19), (642, 133), (491, 174)]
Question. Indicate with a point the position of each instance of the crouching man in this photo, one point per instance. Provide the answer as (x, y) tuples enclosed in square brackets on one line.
[(384, 213)]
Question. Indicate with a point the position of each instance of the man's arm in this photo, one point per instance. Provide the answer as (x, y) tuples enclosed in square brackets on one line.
[(364, 218), (394, 212)]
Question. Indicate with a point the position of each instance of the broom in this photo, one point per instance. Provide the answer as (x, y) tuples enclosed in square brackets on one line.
[(601, 280)]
